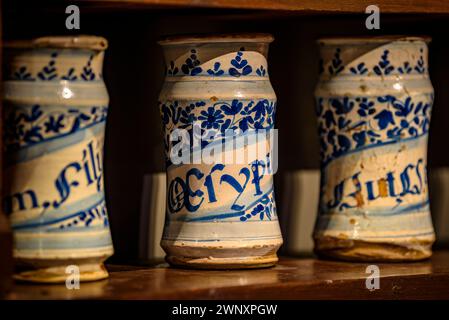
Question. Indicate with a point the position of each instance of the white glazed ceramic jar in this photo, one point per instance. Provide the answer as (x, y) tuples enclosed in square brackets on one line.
[(56, 106), (220, 213), (374, 101)]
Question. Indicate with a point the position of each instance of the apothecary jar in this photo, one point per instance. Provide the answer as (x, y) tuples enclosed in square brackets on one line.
[(221, 211), (56, 106), (374, 101)]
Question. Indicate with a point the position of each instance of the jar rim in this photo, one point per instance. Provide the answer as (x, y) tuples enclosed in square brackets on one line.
[(217, 38), (338, 40), (69, 42)]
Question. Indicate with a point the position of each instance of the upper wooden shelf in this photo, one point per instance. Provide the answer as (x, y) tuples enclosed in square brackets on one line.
[(292, 278), (304, 6)]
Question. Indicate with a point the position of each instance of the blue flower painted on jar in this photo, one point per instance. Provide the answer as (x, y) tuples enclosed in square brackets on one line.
[(211, 119)]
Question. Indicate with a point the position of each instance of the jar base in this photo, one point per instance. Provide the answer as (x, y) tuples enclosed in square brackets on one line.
[(56, 271), (216, 257), (359, 250), (223, 263)]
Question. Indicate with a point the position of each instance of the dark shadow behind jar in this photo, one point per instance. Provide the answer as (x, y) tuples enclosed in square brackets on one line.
[(6, 261), (6, 264)]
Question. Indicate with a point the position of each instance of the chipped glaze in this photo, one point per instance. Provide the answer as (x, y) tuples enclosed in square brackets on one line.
[(219, 215), (373, 104), (56, 107)]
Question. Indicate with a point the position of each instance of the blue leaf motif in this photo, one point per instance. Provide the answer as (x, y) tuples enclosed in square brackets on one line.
[(393, 133), (343, 106), (233, 72), (384, 118), (359, 138), (48, 72), (403, 109), (216, 70), (165, 114), (191, 65), (22, 74), (261, 71), (247, 70), (342, 123), (239, 63), (54, 124), (405, 69), (336, 65), (383, 66), (33, 135), (361, 69), (244, 123), (413, 132), (329, 118), (36, 112), (173, 70), (420, 63), (233, 109), (225, 125), (385, 99), (259, 109), (344, 142), (70, 76), (195, 71), (377, 125), (88, 74)]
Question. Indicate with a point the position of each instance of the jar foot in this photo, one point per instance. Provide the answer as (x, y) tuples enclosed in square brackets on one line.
[(359, 250), (57, 272), (220, 257), (223, 263)]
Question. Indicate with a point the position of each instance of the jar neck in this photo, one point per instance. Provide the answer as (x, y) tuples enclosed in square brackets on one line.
[(397, 58), (53, 65), (216, 60)]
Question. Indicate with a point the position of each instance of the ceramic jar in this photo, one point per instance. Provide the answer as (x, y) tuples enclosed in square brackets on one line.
[(220, 213), (373, 102), (56, 106)]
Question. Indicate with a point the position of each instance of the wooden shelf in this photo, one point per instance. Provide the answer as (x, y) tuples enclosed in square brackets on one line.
[(343, 6), (292, 278), (294, 6)]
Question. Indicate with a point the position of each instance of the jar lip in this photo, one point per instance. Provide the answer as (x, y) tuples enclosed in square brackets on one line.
[(70, 42), (372, 39), (217, 38)]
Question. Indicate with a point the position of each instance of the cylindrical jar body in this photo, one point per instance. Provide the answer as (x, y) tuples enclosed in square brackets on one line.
[(221, 212), (373, 104), (56, 107)]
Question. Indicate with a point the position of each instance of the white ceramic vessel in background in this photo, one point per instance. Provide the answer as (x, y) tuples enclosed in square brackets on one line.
[(374, 101), (56, 106), (152, 216), (219, 215), (300, 198)]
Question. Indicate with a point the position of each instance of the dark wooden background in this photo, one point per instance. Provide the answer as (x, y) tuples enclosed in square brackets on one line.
[(134, 75)]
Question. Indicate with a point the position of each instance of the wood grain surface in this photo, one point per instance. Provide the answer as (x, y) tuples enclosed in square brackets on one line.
[(292, 278), (331, 6)]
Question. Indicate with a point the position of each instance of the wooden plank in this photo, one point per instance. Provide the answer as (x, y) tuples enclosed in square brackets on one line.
[(292, 278), (274, 6), (312, 6)]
